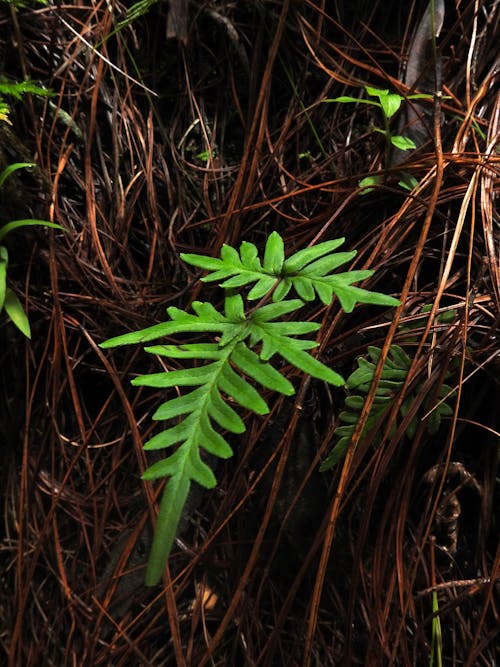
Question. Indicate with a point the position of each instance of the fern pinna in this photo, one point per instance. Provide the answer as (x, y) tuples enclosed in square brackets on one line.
[(244, 339)]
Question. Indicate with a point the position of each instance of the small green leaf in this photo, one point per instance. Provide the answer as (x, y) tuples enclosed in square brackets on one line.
[(303, 257), (261, 288), (202, 261), (282, 289), (242, 392), (169, 466), (311, 366), (213, 442), (223, 414), (181, 405), (261, 371), (222, 275), (8, 171), (355, 402), (349, 296), (304, 288), (250, 256), (240, 280), (182, 378), (327, 264), (324, 292), (229, 255), (343, 99), (16, 313), (205, 311), (408, 182), (403, 143), (274, 254), (233, 308), (171, 436), (199, 470), (286, 329), (376, 92), (15, 224), (390, 104), (369, 183), (336, 455), (272, 311), (187, 351)]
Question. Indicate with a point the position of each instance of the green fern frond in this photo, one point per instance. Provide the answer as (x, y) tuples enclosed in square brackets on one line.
[(17, 89), (394, 373), (240, 356), (307, 272)]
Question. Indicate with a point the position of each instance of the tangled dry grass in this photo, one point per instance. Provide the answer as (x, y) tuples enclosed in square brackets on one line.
[(151, 147)]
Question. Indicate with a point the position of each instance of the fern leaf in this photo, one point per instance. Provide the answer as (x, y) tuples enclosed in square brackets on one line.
[(282, 289), (261, 288), (261, 371), (308, 271), (303, 257), (223, 381), (224, 414), (304, 288), (311, 366), (182, 378), (393, 376), (242, 392), (250, 256), (274, 254), (187, 351), (179, 406), (205, 320), (213, 442), (325, 265), (272, 311)]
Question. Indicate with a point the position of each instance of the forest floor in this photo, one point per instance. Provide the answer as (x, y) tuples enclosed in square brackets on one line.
[(179, 128)]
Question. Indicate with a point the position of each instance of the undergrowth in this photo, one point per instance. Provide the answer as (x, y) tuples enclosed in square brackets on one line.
[(152, 147)]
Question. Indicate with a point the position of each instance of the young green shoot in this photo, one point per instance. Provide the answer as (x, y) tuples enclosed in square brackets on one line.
[(389, 104)]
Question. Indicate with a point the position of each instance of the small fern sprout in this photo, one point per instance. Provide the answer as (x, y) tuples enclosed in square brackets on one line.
[(243, 340)]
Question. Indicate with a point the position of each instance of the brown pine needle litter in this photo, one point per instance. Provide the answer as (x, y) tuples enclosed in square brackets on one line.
[(157, 143)]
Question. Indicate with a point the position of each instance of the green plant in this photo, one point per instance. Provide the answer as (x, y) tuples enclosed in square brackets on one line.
[(17, 89), (393, 376), (255, 320), (437, 635), (388, 103), (8, 299)]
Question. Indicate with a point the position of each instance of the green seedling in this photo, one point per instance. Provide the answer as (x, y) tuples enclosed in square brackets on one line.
[(8, 299), (255, 327), (389, 104)]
